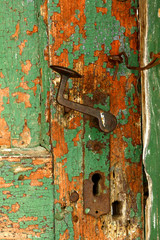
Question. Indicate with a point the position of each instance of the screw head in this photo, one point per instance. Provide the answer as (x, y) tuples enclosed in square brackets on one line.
[(75, 218), (74, 196)]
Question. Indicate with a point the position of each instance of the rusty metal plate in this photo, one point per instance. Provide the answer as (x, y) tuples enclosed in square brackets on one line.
[(96, 199)]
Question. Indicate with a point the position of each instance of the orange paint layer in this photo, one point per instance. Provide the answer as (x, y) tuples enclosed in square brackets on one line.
[(14, 208), (25, 137), (26, 67), (35, 29), (8, 193), (77, 138), (44, 11), (22, 97), (36, 183), (3, 183), (15, 36), (1, 75), (61, 147), (21, 46), (102, 10)]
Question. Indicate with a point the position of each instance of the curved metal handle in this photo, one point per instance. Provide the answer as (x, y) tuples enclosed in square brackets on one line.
[(107, 121)]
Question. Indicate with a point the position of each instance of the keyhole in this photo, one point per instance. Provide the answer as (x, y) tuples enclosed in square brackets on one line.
[(96, 178)]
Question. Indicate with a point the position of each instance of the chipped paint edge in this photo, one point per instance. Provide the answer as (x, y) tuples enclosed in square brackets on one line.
[(146, 117)]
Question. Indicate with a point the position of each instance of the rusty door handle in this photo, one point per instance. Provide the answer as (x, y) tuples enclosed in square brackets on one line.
[(107, 121)]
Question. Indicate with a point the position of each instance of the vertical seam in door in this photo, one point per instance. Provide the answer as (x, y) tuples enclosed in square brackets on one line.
[(145, 108)]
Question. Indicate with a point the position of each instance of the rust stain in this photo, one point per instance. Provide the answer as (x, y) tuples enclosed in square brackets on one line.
[(98, 204), (26, 67), (95, 146), (35, 29), (25, 137), (21, 46), (14, 208), (22, 97), (15, 36)]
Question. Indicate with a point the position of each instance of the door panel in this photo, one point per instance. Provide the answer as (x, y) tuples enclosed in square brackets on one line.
[(82, 36), (26, 194), (149, 15), (26, 181)]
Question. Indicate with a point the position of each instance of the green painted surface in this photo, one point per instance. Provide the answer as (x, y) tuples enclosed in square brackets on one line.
[(132, 152), (63, 221), (26, 202), (73, 166), (93, 148), (152, 153), (33, 216), (23, 104), (46, 77)]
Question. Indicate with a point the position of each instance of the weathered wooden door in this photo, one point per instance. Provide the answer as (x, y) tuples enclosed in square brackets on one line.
[(34, 129), (98, 176)]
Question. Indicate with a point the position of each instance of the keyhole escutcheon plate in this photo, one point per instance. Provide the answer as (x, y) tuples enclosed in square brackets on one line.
[(96, 195)]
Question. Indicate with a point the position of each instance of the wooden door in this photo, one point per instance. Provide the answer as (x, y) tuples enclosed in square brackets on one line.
[(82, 36), (35, 129)]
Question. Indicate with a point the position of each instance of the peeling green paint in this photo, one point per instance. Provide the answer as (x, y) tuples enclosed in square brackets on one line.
[(100, 31), (63, 221), (132, 213), (152, 153), (23, 103), (73, 166), (96, 161), (35, 202), (132, 152), (124, 115)]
